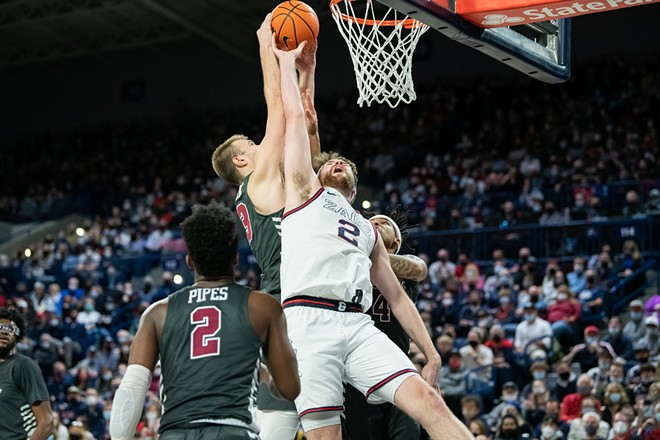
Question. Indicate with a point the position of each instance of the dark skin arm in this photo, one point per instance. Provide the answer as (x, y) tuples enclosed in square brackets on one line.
[(145, 346), (268, 321), (44, 415)]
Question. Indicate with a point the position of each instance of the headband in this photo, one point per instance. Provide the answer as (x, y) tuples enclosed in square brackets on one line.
[(397, 231)]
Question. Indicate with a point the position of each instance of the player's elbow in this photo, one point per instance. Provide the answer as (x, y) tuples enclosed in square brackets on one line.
[(47, 423), (287, 389), (420, 272)]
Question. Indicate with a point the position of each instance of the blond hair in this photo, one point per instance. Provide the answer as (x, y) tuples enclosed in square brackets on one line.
[(222, 160)]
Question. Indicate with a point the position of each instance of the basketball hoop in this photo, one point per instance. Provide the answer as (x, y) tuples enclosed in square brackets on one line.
[(381, 50)]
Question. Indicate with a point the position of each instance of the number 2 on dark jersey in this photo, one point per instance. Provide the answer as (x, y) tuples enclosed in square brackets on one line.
[(203, 340)]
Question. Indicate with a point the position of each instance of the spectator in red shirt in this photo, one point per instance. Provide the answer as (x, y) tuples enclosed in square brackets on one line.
[(571, 405), (562, 315)]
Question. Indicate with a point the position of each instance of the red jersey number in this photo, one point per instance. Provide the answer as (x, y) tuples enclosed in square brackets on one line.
[(203, 339), (244, 216)]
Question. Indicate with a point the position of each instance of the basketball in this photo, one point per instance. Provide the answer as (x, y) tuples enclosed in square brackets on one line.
[(294, 22)]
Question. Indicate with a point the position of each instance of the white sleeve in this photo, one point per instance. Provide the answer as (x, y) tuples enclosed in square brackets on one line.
[(129, 402)]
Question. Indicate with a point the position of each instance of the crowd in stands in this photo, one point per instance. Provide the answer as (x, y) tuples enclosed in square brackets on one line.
[(529, 350)]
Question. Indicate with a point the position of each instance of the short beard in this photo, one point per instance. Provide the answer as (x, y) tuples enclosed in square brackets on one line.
[(6, 351), (341, 183)]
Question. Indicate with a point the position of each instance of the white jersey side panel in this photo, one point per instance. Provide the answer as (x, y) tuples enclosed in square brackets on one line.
[(325, 250)]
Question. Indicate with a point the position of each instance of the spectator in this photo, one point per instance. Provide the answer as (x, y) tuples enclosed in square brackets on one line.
[(509, 395), (573, 405), (476, 355), (566, 380), (442, 270), (653, 202), (635, 328), (451, 381), (641, 358), (477, 427), (445, 345), (509, 429), (577, 280), (471, 313), (533, 332), (471, 409), (589, 427), (615, 398), (633, 207), (620, 343), (587, 354), (651, 339), (563, 316), (622, 428), (550, 429), (93, 413)]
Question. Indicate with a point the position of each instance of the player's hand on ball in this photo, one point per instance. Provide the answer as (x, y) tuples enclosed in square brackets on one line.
[(265, 32), (284, 55)]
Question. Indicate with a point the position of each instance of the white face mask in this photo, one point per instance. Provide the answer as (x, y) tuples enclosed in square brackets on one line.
[(620, 427), (92, 400), (547, 432)]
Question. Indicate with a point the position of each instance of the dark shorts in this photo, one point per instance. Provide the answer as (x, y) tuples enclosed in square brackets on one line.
[(209, 432), (363, 421)]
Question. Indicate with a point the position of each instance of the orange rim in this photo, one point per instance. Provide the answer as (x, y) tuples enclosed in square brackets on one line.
[(408, 23)]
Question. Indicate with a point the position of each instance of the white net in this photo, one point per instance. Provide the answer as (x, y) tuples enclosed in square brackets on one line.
[(381, 50)]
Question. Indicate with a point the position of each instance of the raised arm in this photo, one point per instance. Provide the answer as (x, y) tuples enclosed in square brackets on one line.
[(269, 154), (299, 177), (306, 65), (403, 308)]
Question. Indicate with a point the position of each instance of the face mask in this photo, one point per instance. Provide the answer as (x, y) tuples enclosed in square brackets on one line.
[(529, 317), (591, 340), (604, 365), (547, 432), (615, 397), (584, 390), (635, 316), (474, 344), (578, 268), (613, 331), (509, 397), (562, 297), (505, 300), (509, 433), (45, 345), (151, 415), (657, 415), (54, 322), (538, 375), (469, 414), (447, 302), (106, 415), (643, 360), (107, 377), (591, 429), (620, 427), (565, 376), (652, 332), (89, 307), (497, 338), (92, 400), (616, 379), (125, 349), (538, 390)]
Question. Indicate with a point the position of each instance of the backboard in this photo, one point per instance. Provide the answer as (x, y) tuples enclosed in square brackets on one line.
[(539, 49)]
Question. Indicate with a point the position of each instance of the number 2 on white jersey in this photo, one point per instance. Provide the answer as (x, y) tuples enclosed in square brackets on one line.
[(203, 340)]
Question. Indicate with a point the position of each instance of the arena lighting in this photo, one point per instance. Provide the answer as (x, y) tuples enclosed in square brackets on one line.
[(28, 252), (366, 204), (80, 232), (178, 279)]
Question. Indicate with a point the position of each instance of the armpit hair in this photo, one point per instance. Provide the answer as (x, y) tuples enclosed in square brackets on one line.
[(301, 182)]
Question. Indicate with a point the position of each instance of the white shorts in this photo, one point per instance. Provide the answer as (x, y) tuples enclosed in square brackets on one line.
[(333, 347)]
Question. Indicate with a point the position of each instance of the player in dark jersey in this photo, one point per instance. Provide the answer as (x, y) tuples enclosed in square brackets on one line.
[(363, 421), (208, 337), (256, 169), (25, 410)]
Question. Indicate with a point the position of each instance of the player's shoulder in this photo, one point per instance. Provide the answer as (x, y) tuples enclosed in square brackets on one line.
[(264, 300), (22, 362), (155, 311)]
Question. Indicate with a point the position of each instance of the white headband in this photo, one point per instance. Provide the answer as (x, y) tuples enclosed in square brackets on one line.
[(397, 231)]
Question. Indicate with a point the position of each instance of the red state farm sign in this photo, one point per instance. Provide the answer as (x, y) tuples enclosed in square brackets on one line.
[(492, 14)]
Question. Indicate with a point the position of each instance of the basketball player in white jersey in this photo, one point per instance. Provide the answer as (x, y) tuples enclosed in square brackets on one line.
[(330, 257)]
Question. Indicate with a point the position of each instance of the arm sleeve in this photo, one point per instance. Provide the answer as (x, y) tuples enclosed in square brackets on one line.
[(129, 401), (31, 382)]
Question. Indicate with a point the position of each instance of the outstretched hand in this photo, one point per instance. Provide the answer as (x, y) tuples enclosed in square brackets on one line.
[(284, 55), (306, 62), (265, 32)]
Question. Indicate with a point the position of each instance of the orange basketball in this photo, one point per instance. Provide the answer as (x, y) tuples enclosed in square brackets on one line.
[(294, 22)]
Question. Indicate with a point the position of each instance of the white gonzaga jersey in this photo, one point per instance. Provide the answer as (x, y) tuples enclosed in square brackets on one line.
[(325, 250)]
